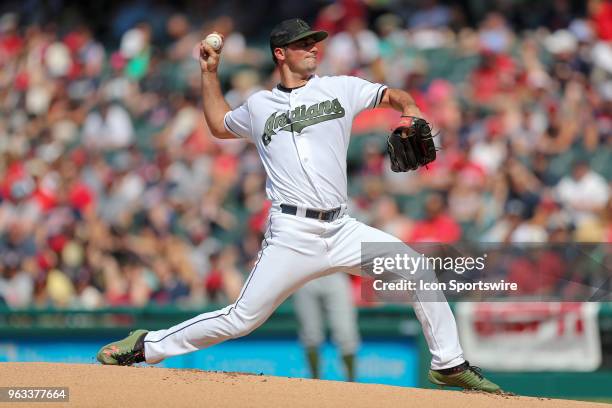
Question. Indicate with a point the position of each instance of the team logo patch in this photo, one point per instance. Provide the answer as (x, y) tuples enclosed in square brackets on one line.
[(301, 117)]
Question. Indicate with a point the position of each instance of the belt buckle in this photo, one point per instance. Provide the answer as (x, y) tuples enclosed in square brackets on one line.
[(321, 214)]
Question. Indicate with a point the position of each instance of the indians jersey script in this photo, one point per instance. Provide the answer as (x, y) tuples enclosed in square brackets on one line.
[(303, 134)]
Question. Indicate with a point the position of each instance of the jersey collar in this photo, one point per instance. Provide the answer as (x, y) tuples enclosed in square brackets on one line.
[(282, 88)]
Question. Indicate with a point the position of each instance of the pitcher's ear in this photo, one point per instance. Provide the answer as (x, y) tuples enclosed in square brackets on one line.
[(280, 53)]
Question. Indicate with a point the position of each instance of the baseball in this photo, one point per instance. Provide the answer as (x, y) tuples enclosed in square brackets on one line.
[(214, 40)]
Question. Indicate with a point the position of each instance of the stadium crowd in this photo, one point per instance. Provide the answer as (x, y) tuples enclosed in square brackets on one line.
[(113, 192)]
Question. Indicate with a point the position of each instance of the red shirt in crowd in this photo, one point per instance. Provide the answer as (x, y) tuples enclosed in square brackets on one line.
[(602, 18), (442, 228)]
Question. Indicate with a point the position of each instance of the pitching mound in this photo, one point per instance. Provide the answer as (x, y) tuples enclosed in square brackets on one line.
[(103, 386)]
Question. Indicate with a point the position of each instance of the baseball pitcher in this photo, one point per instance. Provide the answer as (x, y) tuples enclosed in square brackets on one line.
[(301, 129)]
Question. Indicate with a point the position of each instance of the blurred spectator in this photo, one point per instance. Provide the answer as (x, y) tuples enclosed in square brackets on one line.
[(108, 128), (388, 218), (352, 49), (601, 14), (503, 229), (224, 282), (437, 226), (16, 287), (490, 152), (430, 14), (244, 84), (584, 192), (495, 35)]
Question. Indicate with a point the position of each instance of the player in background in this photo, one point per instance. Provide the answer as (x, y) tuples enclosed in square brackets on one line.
[(328, 298)]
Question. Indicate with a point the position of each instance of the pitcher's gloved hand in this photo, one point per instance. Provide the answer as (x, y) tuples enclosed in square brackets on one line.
[(411, 144)]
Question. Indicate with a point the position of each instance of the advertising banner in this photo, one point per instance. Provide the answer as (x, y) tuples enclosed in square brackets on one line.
[(522, 336)]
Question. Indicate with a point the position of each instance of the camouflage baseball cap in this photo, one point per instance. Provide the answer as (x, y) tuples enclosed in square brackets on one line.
[(292, 30)]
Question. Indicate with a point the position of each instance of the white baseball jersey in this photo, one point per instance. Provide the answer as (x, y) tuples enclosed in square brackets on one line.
[(303, 134)]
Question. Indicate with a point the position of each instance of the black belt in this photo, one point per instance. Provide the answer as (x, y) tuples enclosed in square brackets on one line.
[(322, 215)]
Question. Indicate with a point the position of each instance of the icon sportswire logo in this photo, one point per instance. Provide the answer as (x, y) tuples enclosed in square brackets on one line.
[(301, 117)]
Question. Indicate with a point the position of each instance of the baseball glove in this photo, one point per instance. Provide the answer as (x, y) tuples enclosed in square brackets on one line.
[(411, 144)]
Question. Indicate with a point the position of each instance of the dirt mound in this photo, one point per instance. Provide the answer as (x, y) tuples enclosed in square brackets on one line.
[(103, 386)]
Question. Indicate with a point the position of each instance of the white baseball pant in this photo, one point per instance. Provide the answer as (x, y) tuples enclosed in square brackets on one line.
[(296, 250)]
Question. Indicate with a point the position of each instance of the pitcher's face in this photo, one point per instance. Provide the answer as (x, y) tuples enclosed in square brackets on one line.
[(301, 56)]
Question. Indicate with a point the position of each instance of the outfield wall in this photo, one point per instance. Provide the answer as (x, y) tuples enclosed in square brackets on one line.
[(393, 351)]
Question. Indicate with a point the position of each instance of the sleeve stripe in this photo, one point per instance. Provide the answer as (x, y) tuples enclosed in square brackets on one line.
[(227, 126), (375, 101), (379, 95)]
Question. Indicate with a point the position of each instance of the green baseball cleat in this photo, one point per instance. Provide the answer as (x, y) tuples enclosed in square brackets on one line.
[(464, 376), (124, 352)]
